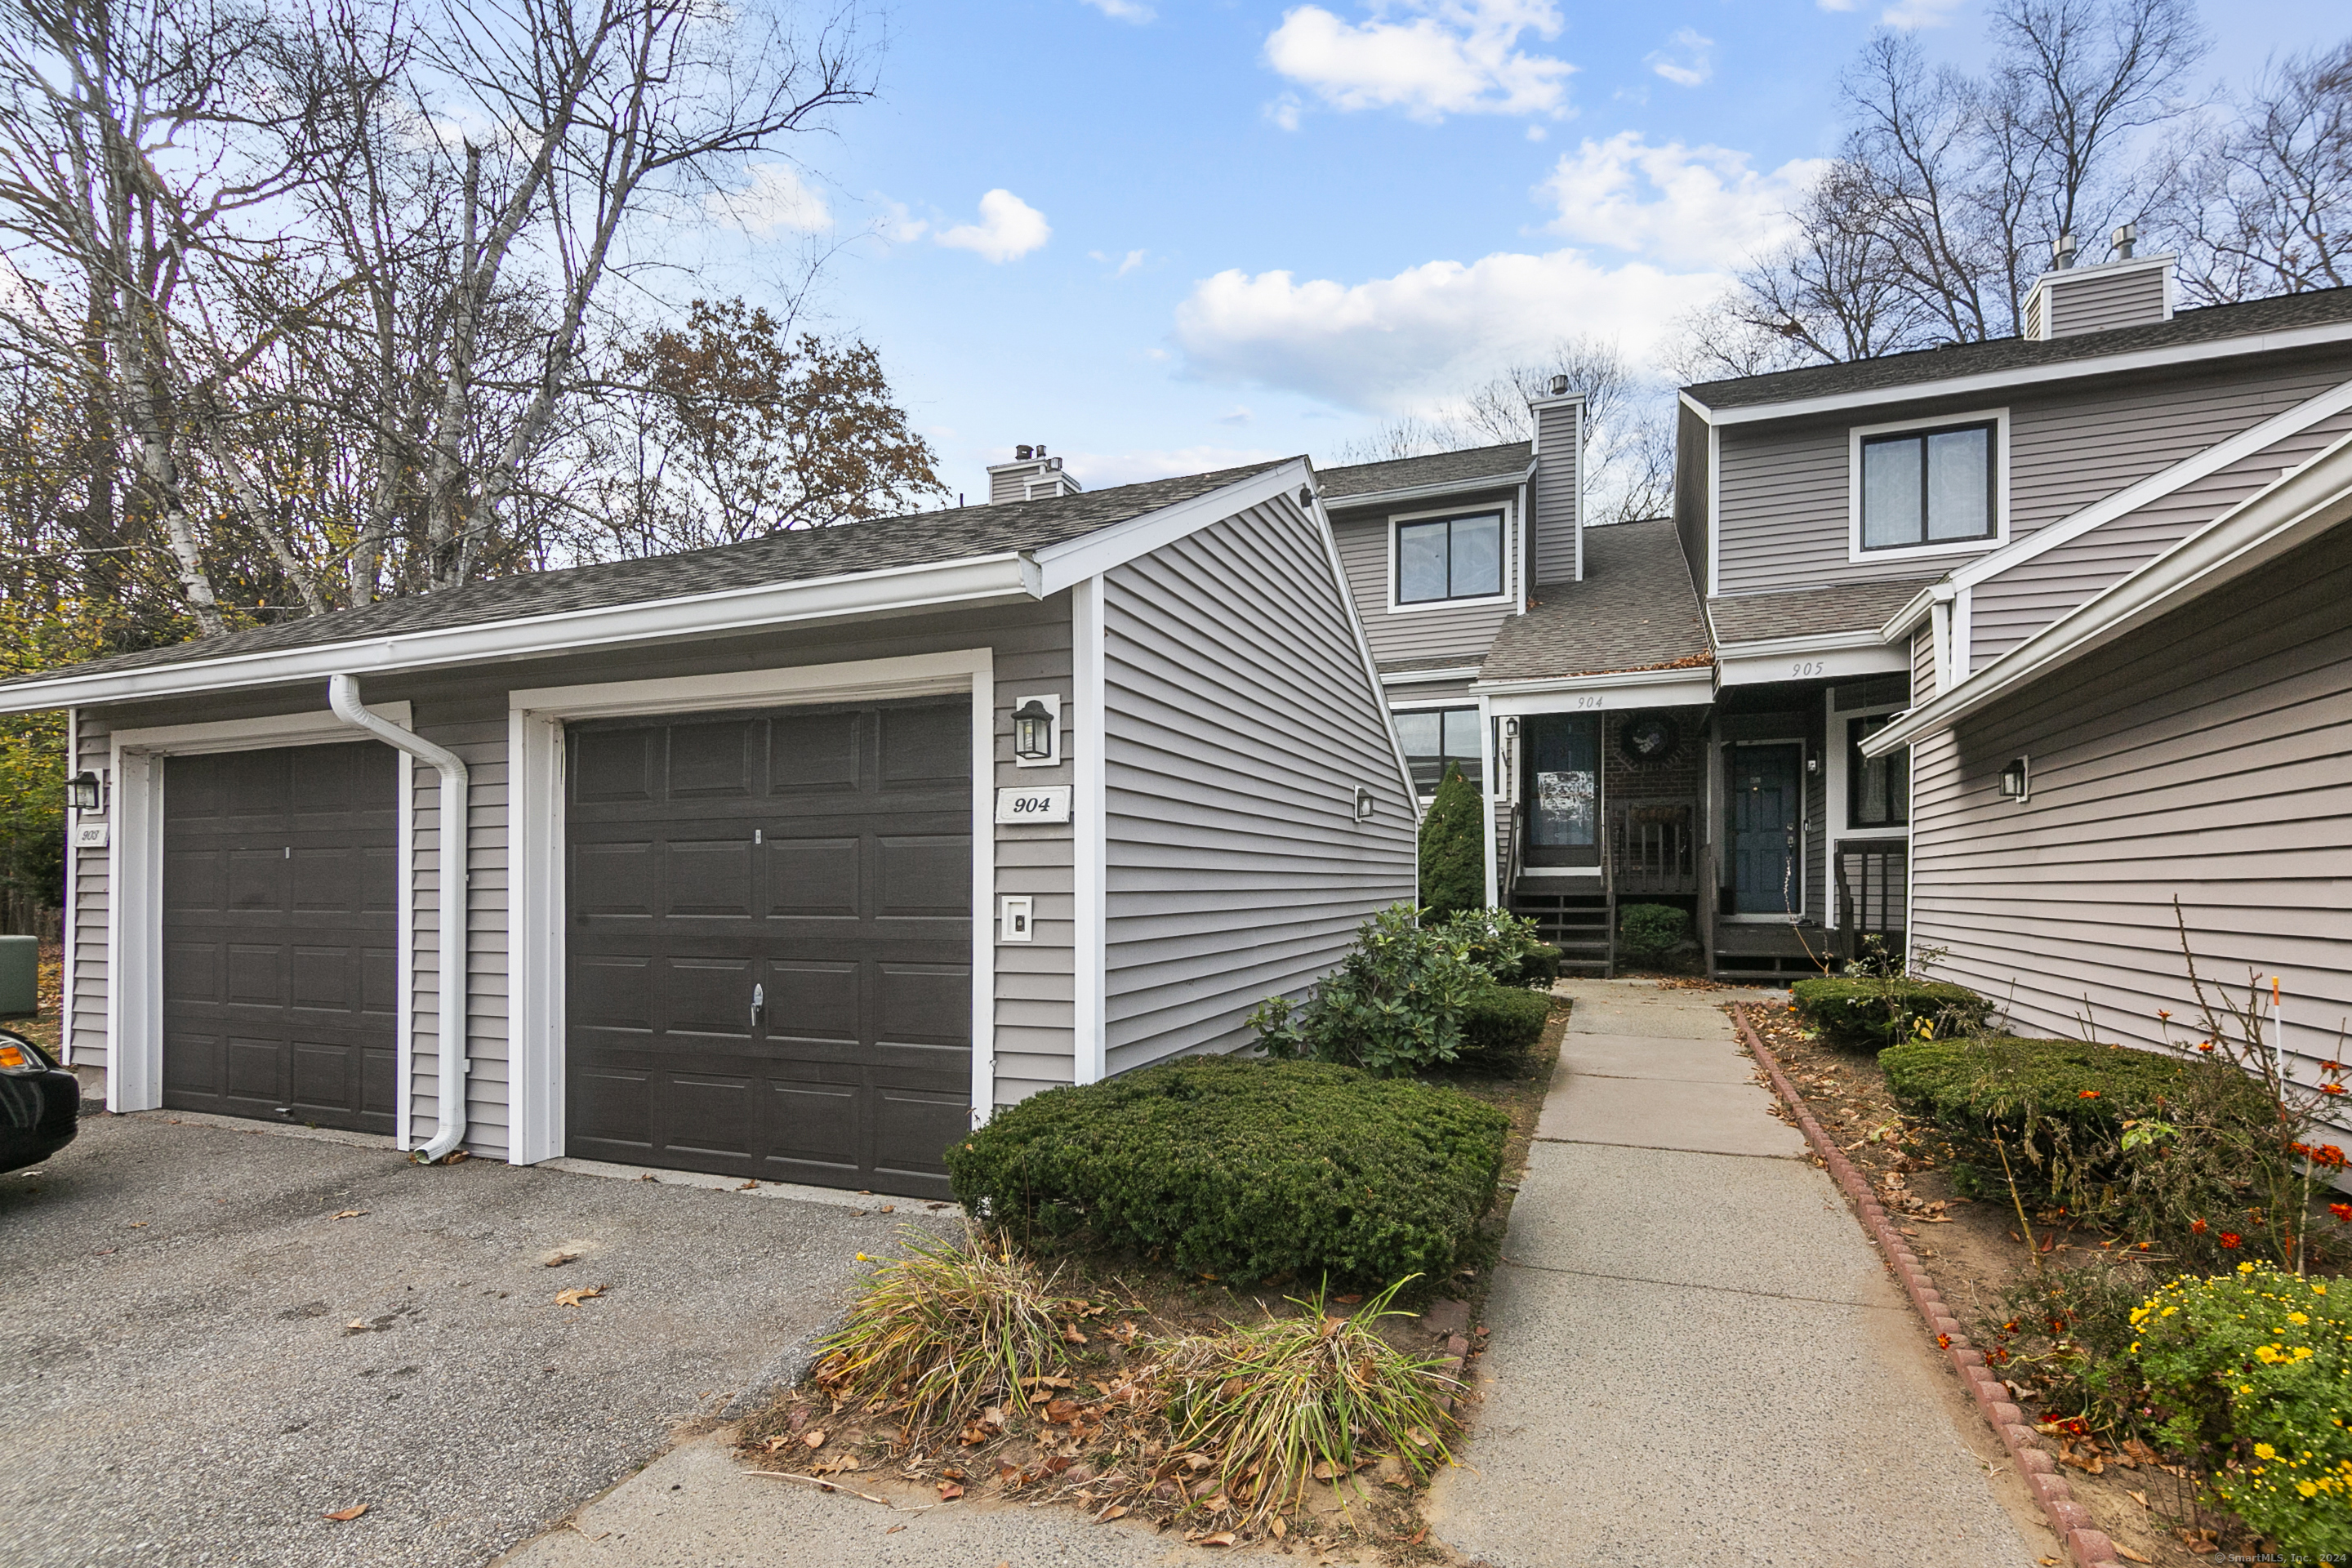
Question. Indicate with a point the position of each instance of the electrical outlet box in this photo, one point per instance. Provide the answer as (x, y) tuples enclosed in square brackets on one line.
[(1015, 918)]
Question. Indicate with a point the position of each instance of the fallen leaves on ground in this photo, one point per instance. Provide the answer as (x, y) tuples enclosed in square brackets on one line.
[(578, 1294), (2128, 1555), (350, 1213), (950, 1491), (345, 1515)]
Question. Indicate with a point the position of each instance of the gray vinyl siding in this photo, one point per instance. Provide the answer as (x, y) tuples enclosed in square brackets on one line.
[(2203, 757), (1423, 633), (1558, 493), (2007, 608), (86, 1045), (1691, 519), (1784, 500), (1419, 693), (1238, 724), (2096, 302), (467, 711)]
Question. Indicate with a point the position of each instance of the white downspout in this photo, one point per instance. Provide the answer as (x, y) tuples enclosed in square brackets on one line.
[(449, 1129)]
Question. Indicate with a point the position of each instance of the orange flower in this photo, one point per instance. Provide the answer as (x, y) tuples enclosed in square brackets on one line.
[(2206, 1045), (2331, 1089), (2195, 1228), (2342, 1212), (2087, 1094), (2230, 1238)]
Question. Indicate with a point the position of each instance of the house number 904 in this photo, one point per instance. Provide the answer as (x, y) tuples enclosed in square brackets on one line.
[(1805, 667)]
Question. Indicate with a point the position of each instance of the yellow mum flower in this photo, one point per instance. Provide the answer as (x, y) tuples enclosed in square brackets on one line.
[(2297, 1318), (2306, 1488), (2265, 1451)]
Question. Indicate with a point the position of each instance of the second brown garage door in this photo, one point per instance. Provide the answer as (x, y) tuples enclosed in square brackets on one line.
[(769, 935)]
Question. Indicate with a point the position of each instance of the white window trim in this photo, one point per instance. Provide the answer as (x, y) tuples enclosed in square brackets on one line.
[(1439, 705), (135, 880), (1804, 829), (1509, 594), (535, 923), (1998, 418), (1835, 831)]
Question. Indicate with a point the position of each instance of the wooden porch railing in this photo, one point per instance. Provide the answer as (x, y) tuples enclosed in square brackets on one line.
[(1654, 847)]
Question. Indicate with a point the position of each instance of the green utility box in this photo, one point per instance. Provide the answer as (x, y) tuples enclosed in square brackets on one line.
[(20, 976)]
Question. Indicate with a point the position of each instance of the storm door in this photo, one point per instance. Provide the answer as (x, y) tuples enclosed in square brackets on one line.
[(1562, 788)]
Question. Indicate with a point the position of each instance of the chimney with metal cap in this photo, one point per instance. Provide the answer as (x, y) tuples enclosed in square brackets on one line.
[(1555, 497), (1030, 476), (2127, 289)]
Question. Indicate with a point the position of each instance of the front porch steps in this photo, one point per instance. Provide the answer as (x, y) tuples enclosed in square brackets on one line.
[(1577, 923)]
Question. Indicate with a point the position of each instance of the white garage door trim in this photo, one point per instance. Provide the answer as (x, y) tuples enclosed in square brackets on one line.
[(134, 911), (535, 927)]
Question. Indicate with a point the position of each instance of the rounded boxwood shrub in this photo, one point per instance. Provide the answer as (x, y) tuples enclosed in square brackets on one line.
[(1500, 1025), (1651, 931), (1244, 1168), (1864, 1013), (2146, 1139)]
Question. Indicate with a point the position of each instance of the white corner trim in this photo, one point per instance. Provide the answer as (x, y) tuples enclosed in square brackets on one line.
[(134, 866), (1090, 555), (535, 920), (980, 578), (1089, 832), (2009, 381), (1856, 434), (67, 922), (2156, 485), (1513, 574), (1487, 785), (2291, 510), (1916, 609)]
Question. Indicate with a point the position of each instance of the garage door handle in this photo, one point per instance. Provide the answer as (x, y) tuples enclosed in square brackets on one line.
[(759, 1004)]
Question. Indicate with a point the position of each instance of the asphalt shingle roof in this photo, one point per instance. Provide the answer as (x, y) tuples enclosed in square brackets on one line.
[(922, 538), (1809, 612), (2318, 308), (1503, 464), (1636, 609)]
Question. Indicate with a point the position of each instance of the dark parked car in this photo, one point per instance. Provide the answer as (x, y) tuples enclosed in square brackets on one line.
[(40, 1103)]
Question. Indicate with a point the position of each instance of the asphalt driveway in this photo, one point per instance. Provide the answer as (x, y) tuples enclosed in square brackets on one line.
[(203, 1360)]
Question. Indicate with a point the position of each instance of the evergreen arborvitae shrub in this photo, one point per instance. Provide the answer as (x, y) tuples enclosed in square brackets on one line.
[(1453, 840), (1869, 1014), (1244, 1169)]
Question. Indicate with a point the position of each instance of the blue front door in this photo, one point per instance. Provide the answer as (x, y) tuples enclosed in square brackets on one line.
[(1768, 786)]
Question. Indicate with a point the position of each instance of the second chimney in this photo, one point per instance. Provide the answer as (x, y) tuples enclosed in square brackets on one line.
[(1030, 476)]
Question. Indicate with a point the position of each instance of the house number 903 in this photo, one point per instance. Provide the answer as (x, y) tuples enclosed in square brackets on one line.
[(1805, 667)]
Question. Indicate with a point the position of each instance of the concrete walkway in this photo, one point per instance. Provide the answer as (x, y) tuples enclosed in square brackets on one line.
[(1697, 1356)]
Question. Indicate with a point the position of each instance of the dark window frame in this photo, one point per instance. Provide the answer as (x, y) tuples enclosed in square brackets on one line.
[(1446, 761), (1857, 769), (1991, 428), (1448, 522)]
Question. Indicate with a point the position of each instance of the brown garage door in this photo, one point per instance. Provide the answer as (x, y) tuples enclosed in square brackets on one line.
[(278, 927), (770, 943)]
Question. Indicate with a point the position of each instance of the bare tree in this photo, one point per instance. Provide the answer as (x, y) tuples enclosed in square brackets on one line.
[(2264, 204)]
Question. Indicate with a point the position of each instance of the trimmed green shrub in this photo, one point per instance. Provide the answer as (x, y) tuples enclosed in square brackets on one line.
[(1249, 1169), (1506, 946), (2253, 1374), (1393, 1007), (1651, 931), (1452, 849), (1870, 1013), (2164, 1146), (1501, 1026)]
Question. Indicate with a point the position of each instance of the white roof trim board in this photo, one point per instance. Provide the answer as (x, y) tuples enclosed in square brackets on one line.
[(2007, 379), (1495, 481), (1009, 575), (2299, 506)]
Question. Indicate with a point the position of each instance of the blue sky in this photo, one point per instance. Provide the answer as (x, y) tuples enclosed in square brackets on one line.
[(1162, 236)]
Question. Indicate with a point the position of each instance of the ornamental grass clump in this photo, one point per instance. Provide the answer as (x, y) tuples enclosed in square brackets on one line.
[(947, 1330), (1291, 1401), (2252, 1372)]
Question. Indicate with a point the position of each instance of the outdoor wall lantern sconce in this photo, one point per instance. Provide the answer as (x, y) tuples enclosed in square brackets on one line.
[(83, 792), (1363, 803), (2014, 782), (1037, 731)]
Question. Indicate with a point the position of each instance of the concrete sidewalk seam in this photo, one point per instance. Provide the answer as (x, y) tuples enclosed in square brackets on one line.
[(1696, 1285), (1660, 1148), (2085, 1544)]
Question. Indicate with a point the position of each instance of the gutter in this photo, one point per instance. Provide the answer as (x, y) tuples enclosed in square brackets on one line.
[(449, 978), (1430, 492)]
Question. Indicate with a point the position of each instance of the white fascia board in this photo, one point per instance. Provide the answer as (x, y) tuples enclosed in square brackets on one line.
[(1828, 656), (2295, 509), (1416, 676), (1504, 481), (975, 580), (1996, 381), (2156, 485), (1091, 554), (1917, 609), (1685, 686)]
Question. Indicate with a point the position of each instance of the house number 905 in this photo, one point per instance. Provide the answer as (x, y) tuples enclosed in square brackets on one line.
[(1805, 667)]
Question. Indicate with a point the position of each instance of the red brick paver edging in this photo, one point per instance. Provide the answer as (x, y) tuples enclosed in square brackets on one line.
[(2086, 1545)]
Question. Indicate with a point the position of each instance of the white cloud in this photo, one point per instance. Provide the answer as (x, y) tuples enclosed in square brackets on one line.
[(1127, 264), (1407, 342), (1008, 230), (1834, 5), (1687, 60), (1919, 13), (1241, 414), (777, 198), (1124, 10), (1537, 133), (1436, 58), (1683, 207)]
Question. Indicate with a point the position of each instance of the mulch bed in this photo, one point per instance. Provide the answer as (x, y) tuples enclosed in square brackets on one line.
[(1975, 1252)]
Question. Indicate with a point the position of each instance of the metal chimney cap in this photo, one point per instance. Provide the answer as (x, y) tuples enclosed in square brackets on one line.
[(2061, 255), (1559, 386), (1020, 454), (2124, 237)]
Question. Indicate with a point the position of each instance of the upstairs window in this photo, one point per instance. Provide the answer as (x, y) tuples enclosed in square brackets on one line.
[(1878, 789), (1449, 558), (1928, 486), (1436, 741)]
